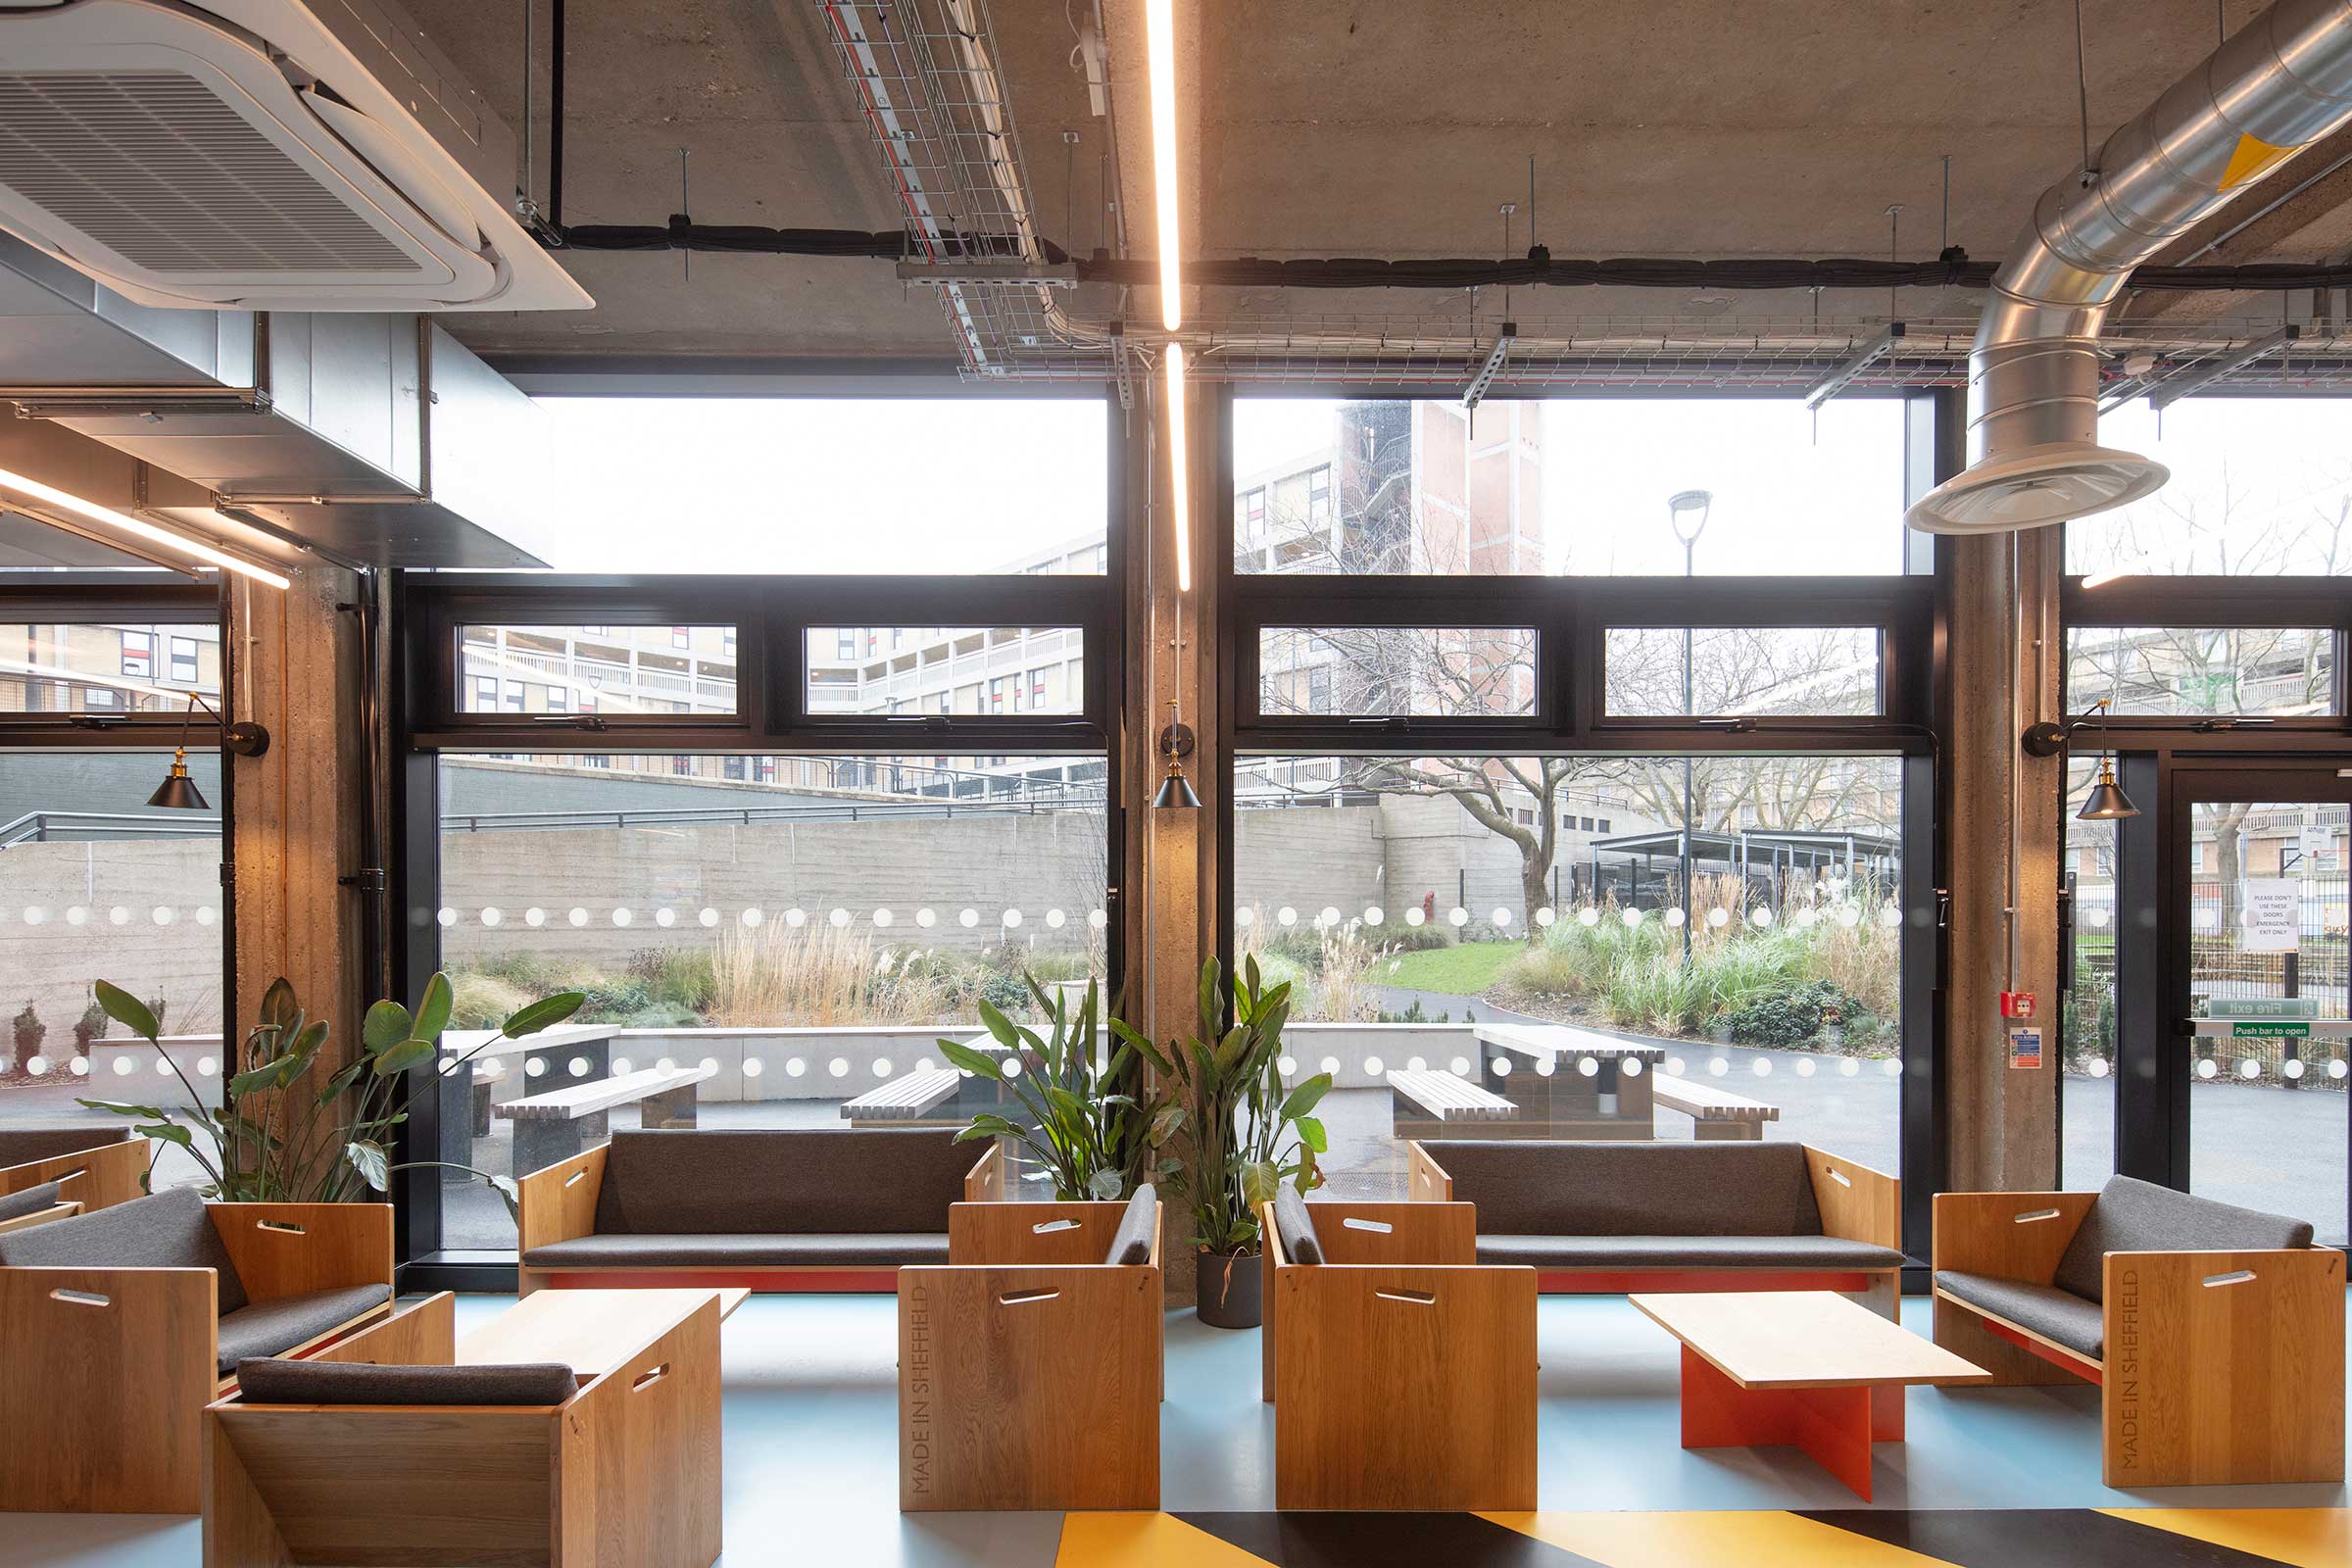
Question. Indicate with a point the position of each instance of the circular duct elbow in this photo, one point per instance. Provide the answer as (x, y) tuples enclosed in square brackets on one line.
[(2035, 487)]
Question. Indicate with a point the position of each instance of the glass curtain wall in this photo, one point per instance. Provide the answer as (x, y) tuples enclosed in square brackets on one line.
[(1651, 831)]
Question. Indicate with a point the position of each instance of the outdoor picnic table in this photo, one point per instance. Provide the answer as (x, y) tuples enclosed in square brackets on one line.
[(466, 1095), (1612, 1103)]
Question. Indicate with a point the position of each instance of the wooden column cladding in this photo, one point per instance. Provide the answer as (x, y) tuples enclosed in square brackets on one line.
[(2006, 660), (295, 819)]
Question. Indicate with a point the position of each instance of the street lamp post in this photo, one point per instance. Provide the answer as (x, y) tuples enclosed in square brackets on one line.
[(1687, 512)]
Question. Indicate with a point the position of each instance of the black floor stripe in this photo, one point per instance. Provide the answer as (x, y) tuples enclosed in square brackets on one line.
[(2035, 1538), (1356, 1539)]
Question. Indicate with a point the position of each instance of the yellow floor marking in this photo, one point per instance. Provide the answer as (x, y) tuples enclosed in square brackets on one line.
[(1145, 1540), (2311, 1537), (1753, 1539)]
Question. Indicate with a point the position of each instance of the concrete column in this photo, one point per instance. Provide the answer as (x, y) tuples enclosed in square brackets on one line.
[(297, 806), (2005, 665)]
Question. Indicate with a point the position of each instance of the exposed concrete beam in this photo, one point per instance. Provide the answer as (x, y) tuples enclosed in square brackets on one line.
[(2303, 213)]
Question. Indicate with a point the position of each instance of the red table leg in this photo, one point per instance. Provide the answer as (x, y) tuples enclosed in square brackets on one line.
[(1834, 1426)]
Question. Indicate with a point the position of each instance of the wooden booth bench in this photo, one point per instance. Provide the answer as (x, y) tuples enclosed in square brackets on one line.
[(52, 1171), (1613, 1218), (1031, 1362), (553, 1127), (398, 1448), (1425, 1104), (1716, 1115), (119, 1327), (1400, 1368), (767, 1208), (2215, 1334)]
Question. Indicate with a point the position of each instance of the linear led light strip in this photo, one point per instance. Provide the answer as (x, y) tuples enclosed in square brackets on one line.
[(1159, 35), (108, 518)]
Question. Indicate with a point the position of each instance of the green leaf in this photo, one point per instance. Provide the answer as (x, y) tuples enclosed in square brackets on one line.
[(169, 1132), (1311, 1134), (343, 1079), (385, 1026), (400, 1058), (508, 1193), (122, 1108), (1305, 1097), (979, 1063), (367, 1159), (1143, 1047), (1260, 1178), (1108, 1186), (127, 1010), (999, 1026), (1164, 1123), (279, 1010), (432, 1008), (255, 1080), (542, 1014)]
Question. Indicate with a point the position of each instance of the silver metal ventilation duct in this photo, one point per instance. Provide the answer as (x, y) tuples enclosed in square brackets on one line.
[(2281, 84), (373, 439)]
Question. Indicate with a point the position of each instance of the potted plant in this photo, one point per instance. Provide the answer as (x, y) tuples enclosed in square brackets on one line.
[(1082, 1121), (29, 1030), (1243, 1134), (283, 1136)]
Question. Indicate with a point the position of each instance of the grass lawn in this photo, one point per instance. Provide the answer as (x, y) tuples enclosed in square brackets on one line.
[(1457, 971)]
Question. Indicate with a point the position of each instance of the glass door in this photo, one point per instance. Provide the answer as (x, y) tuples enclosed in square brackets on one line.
[(2261, 1098)]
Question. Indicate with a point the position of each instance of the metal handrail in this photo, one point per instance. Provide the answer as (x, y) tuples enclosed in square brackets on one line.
[(38, 827)]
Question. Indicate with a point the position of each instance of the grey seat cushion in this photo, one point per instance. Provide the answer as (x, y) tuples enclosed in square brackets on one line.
[(1570, 1188), (1297, 1228), (741, 1250), (2054, 1314), (170, 1230), (1686, 1252), (274, 1327), (23, 1143), (32, 1201), (1131, 1242), (2135, 1216), (781, 1182), (273, 1382)]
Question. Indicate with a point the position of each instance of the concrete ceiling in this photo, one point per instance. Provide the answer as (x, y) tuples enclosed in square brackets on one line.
[(1357, 127)]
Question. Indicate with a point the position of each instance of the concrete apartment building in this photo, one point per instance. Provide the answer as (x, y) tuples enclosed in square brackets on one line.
[(110, 668)]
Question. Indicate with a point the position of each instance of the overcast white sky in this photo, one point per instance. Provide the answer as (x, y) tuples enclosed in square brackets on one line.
[(825, 485)]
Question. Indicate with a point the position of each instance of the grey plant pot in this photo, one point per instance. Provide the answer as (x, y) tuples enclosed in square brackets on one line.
[(1228, 1292)]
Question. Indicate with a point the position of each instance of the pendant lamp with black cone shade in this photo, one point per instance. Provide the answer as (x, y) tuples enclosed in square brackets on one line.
[(2107, 802), (178, 792), (1176, 743)]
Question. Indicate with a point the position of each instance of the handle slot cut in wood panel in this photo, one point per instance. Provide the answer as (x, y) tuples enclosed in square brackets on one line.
[(646, 1380), (1050, 1226), (1843, 1180), (2035, 1215), (78, 1170), (575, 1178), (80, 1298), (282, 1227), (1017, 1298), (1377, 1227), (2243, 1276), (1409, 1297)]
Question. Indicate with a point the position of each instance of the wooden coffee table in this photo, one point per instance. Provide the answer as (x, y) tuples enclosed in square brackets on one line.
[(1812, 1368), (592, 1332)]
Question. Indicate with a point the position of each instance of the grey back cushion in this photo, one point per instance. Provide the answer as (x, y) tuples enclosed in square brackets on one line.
[(1296, 1227), (781, 1182), (1131, 1242), (275, 1382), (32, 1201), (170, 1230), (2135, 1216), (27, 1142), (1528, 1188)]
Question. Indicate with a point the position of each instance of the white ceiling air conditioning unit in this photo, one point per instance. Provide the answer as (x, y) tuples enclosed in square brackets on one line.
[(261, 155)]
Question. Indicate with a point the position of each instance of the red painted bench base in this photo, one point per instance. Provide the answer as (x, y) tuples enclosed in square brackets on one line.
[(2085, 1370), (1611, 1282), (1834, 1426), (837, 1281)]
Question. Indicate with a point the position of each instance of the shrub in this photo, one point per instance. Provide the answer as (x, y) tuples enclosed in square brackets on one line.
[(664, 1016), (1776, 1018), (483, 1001), (677, 977)]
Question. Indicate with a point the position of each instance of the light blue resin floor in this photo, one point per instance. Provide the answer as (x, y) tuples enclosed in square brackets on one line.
[(811, 1406)]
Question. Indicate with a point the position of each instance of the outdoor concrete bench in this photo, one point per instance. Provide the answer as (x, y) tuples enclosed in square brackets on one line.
[(1716, 1115), (56, 1170), (2215, 1334), (1429, 1104), (764, 1209), (552, 1127), (1402, 1367), (1617, 1218), (1031, 1364), (1541, 1068), (122, 1325), (900, 1103)]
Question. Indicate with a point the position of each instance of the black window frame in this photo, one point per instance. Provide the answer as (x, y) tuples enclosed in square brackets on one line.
[(771, 617), (1572, 616)]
